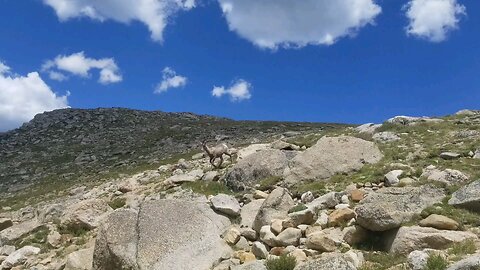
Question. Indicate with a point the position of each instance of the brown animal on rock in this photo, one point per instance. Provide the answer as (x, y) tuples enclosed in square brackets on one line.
[(216, 152)]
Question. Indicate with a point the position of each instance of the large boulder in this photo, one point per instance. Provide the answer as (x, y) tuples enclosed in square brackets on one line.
[(256, 167), (85, 214), (413, 238), (331, 155), (448, 176), (467, 197), (389, 208), (276, 206), (412, 120), (164, 234)]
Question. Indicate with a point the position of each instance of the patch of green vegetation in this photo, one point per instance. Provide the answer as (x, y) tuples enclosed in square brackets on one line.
[(38, 238), (316, 187), (72, 230), (284, 262), (382, 260), (299, 207), (462, 216), (269, 182), (463, 248), (436, 262), (307, 140), (117, 203), (207, 188)]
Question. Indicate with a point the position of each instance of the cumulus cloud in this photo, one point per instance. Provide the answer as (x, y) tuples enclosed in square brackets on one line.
[(80, 65), (170, 80), (238, 91), (22, 97), (153, 13), (433, 19), (287, 23)]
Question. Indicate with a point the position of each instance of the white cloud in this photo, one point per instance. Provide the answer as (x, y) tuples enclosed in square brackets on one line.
[(78, 64), (433, 19), (22, 97), (170, 80), (239, 91), (153, 13), (4, 68), (287, 23)]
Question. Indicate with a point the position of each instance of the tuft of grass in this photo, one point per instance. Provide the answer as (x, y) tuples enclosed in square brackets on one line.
[(382, 260), (436, 262), (37, 239), (207, 188), (117, 203), (299, 207), (284, 262), (463, 248), (75, 231), (316, 187), (269, 182)]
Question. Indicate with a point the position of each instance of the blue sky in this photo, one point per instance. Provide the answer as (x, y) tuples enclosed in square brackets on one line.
[(371, 70)]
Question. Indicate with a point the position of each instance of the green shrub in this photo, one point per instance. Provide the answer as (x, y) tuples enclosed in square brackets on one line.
[(436, 262), (284, 262), (269, 182), (463, 248)]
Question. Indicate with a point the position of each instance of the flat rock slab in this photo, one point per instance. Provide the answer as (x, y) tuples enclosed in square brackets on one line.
[(413, 238), (389, 208), (164, 234)]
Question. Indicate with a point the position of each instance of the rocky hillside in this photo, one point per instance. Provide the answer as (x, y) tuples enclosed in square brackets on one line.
[(68, 146), (404, 194)]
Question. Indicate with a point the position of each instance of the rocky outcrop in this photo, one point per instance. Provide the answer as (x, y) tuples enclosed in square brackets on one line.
[(332, 155), (255, 168), (85, 214), (329, 261), (408, 239), (165, 234), (467, 197), (411, 120), (469, 263), (19, 256), (390, 207)]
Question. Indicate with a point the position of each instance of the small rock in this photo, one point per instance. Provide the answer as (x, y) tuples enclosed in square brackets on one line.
[(259, 250), (449, 155), (226, 204), (299, 255), (80, 260), (289, 236), (244, 256), (277, 226), (267, 236), (242, 244), (210, 176), (321, 242), (340, 216), (307, 197), (6, 250), (439, 222), (54, 238), (391, 178), (417, 259), (302, 217), (357, 195), (231, 236), (248, 233), (260, 194)]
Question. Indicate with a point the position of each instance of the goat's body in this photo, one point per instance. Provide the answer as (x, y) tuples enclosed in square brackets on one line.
[(216, 152)]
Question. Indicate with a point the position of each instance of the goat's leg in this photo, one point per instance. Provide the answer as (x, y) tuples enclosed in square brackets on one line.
[(221, 161), (212, 161)]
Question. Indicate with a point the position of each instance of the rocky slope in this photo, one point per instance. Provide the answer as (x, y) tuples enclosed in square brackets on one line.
[(72, 145), (404, 194)]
